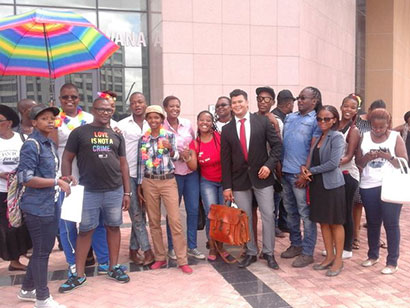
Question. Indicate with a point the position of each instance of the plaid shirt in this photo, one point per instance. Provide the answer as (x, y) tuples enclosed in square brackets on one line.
[(166, 165)]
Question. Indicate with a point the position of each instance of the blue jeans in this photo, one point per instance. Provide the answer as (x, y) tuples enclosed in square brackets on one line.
[(211, 193), (43, 230), (68, 238), (378, 212), (139, 235), (188, 187), (294, 201)]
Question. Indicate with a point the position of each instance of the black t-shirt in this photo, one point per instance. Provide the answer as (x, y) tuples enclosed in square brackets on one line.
[(98, 151)]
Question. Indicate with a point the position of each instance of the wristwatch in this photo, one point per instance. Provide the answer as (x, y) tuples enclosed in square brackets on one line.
[(128, 194)]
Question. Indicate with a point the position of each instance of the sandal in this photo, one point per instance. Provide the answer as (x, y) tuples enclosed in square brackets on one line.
[(212, 255), (356, 244)]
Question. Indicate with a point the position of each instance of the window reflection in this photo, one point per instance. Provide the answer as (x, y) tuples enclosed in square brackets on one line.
[(90, 15), (84, 83), (71, 3), (8, 90), (129, 30), (138, 5)]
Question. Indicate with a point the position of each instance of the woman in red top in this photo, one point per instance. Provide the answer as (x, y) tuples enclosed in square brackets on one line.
[(205, 153)]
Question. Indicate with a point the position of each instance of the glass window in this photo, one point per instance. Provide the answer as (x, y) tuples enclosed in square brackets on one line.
[(6, 10), (8, 91), (138, 5), (90, 15), (127, 81), (71, 3), (82, 82), (129, 30)]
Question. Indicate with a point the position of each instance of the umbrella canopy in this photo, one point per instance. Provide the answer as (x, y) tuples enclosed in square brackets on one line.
[(51, 43)]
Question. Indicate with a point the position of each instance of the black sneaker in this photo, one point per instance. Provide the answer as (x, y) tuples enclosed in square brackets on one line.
[(118, 274), (72, 283)]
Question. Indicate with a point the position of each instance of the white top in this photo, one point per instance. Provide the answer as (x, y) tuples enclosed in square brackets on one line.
[(373, 172), (247, 128), (64, 132), (9, 156), (351, 165), (113, 124), (280, 123), (132, 133), (219, 125)]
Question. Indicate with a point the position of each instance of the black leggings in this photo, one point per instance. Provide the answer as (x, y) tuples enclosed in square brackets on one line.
[(350, 189)]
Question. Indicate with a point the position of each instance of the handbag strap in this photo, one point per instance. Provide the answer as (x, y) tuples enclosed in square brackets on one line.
[(404, 167), (221, 254)]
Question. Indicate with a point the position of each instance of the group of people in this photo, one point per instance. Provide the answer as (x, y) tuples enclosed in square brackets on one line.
[(312, 165)]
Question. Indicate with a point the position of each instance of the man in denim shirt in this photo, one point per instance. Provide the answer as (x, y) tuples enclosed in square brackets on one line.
[(299, 130)]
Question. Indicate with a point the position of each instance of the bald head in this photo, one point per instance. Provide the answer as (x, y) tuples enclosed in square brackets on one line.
[(25, 104)]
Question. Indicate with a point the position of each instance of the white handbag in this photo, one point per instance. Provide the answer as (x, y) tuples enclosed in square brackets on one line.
[(396, 185)]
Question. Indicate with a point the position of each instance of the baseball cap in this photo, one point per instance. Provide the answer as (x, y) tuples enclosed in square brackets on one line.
[(285, 94), (266, 89), (37, 109)]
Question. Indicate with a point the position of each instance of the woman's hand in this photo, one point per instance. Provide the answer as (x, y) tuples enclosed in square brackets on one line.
[(64, 186), (185, 154), (70, 179), (4, 175), (301, 182)]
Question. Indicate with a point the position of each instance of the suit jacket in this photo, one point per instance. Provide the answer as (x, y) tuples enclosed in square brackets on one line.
[(239, 174), (330, 152)]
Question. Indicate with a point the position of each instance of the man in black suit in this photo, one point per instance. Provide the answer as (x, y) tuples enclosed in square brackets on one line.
[(247, 167)]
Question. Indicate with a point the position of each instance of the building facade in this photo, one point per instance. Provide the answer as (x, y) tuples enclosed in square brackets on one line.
[(199, 50)]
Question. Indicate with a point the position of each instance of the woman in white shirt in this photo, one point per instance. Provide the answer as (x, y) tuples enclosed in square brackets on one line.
[(377, 154)]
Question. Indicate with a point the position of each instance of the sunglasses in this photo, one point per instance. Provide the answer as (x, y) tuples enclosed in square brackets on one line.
[(326, 119), (66, 97), (221, 105), (104, 110), (265, 99)]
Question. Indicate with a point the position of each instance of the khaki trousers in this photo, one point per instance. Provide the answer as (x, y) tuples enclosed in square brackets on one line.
[(154, 191)]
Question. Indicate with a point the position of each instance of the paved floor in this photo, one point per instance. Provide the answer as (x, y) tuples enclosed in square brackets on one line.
[(222, 285)]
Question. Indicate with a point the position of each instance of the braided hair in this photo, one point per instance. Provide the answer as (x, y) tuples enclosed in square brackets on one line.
[(316, 94), (213, 127)]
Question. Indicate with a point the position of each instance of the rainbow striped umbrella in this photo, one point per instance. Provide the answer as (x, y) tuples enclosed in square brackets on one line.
[(51, 43)]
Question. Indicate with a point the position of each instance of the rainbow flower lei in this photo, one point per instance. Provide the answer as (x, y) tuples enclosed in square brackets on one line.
[(62, 117), (161, 150)]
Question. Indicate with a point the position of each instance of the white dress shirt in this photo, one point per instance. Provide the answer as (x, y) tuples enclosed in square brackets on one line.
[(132, 133), (247, 128)]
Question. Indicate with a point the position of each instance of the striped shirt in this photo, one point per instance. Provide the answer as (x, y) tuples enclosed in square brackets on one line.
[(166, 164)]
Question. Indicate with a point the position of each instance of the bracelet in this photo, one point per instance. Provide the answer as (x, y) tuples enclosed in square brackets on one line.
[(55, 182), (187, 160)]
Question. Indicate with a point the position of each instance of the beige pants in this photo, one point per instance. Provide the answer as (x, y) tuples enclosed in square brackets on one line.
[(154, 191)]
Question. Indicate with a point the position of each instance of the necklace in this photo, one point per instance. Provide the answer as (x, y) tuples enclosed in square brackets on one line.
[(62, 117), (156, 158)]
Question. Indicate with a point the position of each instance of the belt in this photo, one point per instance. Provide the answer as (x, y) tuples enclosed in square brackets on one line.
[(159, 177)]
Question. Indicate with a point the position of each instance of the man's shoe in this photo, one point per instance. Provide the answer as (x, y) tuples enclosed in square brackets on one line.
[(104, 268), (158, 265), (291, 252), (279, 233), (118, 274), (194, 252), (149, 257), (29, 296), (72, 283), (133, 255), (369, 262), (171, 254), (248, 260), (48, 303), (271, 261), (186, 269), (302, 261), (389, 270)]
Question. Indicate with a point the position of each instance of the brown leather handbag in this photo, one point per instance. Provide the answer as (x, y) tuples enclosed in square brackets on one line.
[(228, 225)]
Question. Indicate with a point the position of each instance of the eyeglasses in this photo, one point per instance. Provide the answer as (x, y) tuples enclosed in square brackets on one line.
[(302, 98), (221, 105), (104, 110), (66, 97), (265, 99), (326, 120)]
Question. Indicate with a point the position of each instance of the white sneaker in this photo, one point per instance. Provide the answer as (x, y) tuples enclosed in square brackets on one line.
[(171, 254), (27, 295), (194, 252), (347, 254), (389, 270), (369, 262), (48, 303)]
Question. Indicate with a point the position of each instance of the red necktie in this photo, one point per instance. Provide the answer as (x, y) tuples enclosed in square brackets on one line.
[(242, 138)]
